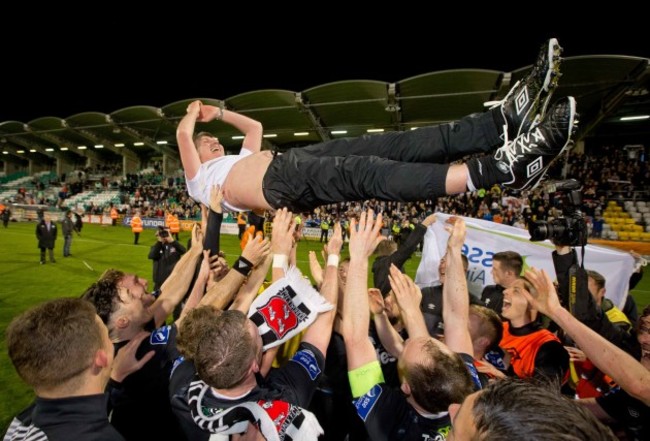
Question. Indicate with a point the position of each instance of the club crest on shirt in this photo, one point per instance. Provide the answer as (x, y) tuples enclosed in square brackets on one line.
[(279, 315)]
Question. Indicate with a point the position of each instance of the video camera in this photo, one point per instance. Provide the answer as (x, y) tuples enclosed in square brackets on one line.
[(163, 233), (570, 230)]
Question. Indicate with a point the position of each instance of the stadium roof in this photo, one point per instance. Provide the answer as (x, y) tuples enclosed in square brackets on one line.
[(606, 87)]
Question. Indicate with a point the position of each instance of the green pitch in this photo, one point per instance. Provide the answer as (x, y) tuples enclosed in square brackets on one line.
[(26, 283)]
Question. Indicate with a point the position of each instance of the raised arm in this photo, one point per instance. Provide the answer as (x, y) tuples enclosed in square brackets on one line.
[(251, 129), (178, 282), (455, 298), (408, 297), (356, 311), (222, 293), (630, 375), (185, 139), (198, 290), (215, 218), (281, 241), (388, 336), (320, 332), (251, 287)]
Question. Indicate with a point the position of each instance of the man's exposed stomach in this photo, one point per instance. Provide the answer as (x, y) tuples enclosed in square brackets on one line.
[(243, 185)]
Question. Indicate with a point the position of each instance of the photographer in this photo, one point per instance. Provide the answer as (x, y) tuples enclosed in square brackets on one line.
[(165, 254), (573, 280)]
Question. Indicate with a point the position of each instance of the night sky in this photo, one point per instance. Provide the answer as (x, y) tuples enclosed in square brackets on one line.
[(57, 78)]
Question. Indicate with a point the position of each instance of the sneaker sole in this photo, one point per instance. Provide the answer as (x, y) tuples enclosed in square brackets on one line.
[(554, 50), (534, 182), (543, 98)]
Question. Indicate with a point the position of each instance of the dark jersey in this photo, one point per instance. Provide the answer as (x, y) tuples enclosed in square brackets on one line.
[(492, 297), (630, 412), (140, 404), (76, 418), (387, 361), (294, 383), (388, 416)]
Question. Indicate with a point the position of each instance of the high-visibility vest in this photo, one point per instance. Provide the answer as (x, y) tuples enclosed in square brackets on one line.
[(523, 349), (113, 213), (136, 224), (174, 225), (241, 219)]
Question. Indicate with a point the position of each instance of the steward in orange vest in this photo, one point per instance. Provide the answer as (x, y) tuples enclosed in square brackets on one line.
[(136, 227)]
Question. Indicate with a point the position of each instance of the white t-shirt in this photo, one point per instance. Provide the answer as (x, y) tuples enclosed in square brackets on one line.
[(214, 172)]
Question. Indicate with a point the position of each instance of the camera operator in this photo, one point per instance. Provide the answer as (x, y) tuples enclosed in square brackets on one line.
[(585, 306), (165, 254), (573, 280)]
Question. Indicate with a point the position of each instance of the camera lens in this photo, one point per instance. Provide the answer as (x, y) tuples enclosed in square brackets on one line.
[(538, 231)]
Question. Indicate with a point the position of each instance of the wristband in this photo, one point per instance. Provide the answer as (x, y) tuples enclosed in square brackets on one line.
[(243, 266), (333, 260), (220, 117), (280, 261)]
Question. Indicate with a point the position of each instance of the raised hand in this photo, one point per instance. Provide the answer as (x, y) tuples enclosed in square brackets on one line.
[(208, 113), (365, 238), (316, 269), (336, 241), (125, 362), (197, 238), (545, 298), (429, 220), (194, 108), (407, 293), (216, 197), (457, 230), (282, 237), (376, 301), (256, 250)]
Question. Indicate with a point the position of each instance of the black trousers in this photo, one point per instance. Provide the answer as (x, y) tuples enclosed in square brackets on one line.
[(396, 166)]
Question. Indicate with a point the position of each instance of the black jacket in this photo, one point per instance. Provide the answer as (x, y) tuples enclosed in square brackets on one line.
[(46, 238), (381, 265), (165, 256), (584, 307)]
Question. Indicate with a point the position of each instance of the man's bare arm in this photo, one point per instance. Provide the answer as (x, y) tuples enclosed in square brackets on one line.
[(356, 310), (178, 282), (185, 139), (455, 297), (630, 375), (320, 332)]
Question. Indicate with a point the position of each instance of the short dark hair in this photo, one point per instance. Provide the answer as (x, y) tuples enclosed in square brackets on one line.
[(54, 343), (442, 381), (225, 350), (521, 410), (104, 293), (510, 261)]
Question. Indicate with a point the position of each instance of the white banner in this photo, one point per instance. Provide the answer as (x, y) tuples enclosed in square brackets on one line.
[(485, 238)]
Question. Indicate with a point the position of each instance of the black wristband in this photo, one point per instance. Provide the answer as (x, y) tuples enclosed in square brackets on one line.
[(243, 266)]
